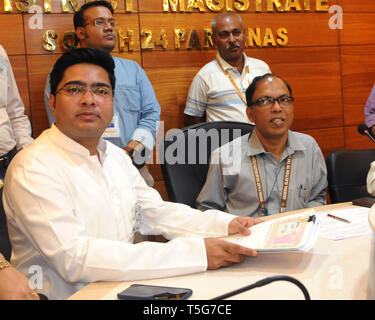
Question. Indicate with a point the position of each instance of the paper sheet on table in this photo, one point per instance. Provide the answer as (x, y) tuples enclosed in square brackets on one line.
[(337, 230)]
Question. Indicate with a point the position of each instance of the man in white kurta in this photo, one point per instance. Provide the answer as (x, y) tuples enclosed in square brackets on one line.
[(74, 205)]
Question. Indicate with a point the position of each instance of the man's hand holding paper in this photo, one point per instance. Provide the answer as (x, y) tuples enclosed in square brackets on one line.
[(297, 232), (242, 225), (222, 253)]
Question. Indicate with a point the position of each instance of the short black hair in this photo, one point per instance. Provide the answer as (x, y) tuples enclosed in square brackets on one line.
[(82, 55), (78, 19), (252, 87)]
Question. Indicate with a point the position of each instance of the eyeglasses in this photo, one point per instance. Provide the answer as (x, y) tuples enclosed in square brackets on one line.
[(284, 101), (101, 23), (76, 90)]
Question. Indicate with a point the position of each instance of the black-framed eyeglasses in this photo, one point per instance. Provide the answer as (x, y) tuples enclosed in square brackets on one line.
[(77, 90), (100, 23), (284, 101)]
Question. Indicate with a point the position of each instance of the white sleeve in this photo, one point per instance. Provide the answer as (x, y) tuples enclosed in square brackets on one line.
[(371, 179), (16, 111), (41, 212), (175, 219), (196, 102)]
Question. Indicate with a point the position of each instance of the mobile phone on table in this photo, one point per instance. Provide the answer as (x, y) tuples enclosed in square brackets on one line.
[(148, 292)]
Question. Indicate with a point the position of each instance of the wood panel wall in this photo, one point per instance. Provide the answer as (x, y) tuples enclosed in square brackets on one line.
[(330, 71)]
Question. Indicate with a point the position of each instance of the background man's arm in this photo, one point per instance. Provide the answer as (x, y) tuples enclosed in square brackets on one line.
[(16, 110), (319, 180), (370, 111), (213, 194), (190, 120), (196, 102), (147, 126)]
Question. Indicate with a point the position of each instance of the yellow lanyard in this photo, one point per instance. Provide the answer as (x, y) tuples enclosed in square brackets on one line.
[(258, 183), (239, 92)]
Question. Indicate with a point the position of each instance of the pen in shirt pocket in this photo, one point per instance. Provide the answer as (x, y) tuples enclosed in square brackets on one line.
[(304, 193)]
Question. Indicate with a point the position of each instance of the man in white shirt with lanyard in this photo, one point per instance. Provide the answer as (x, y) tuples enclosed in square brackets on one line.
[(74, 200), (15, 129), (218, 89), (271, 170)]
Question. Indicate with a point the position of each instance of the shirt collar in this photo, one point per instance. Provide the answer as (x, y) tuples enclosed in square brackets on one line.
[(255, 147), (227, 66), (64, 142)]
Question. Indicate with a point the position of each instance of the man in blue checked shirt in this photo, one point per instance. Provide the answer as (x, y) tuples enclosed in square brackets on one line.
[(136, 110)]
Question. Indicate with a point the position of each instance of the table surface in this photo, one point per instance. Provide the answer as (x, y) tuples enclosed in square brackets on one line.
[(331, 270)]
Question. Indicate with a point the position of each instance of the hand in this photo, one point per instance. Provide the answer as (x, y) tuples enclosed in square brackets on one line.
[(190, 120), (222, 253), (133, 144), (15, 286), (242, 225)]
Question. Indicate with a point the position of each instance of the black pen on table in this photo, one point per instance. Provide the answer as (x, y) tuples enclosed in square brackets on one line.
[(337, 218)]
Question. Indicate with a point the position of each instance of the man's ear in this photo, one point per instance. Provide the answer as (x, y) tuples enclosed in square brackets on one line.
[(81, 33), (249, 113), (52, 102)]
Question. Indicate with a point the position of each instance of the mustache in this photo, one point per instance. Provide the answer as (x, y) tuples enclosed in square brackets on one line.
[(233, 46)]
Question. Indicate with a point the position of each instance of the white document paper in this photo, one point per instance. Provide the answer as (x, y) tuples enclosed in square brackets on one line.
[(285, 234), (336, 230)]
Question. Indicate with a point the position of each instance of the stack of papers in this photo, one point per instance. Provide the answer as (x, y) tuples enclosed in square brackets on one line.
[(297, 232)]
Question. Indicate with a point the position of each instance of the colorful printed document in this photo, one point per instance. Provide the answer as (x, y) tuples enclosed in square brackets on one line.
[(296, 232)]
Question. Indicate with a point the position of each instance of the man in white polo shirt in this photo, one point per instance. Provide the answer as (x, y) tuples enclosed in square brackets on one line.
[(218, 88)]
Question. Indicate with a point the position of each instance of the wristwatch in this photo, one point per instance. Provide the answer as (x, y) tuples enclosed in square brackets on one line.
[(4, 264), (129, 150)]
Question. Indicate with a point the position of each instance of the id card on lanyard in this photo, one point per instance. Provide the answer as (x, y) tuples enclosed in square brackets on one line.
[(113, 129)]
